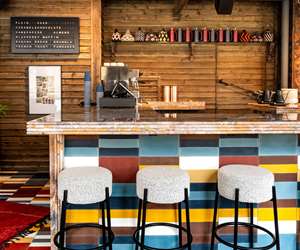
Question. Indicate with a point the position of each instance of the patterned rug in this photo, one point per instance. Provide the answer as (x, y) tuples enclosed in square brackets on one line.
[(27, 188)]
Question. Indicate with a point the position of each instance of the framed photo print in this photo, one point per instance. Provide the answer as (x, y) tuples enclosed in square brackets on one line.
[(44, 89)]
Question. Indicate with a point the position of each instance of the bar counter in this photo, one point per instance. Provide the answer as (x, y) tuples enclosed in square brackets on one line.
[(199, 142), (124, 121)]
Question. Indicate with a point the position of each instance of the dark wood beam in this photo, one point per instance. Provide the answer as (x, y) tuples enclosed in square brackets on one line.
[(179, 6)]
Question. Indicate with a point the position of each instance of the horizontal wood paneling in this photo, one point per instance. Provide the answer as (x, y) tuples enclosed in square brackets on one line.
[(16, 148), (196, 74)]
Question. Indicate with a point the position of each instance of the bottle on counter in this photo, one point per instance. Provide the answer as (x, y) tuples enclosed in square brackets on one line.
[(187, 35), (172, 35), (179, 35), (235, 35), (204, 35), (87, 89), (99, 93), (196, 35)]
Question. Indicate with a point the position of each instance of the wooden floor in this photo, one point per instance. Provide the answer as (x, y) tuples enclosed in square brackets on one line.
[(27, 188)]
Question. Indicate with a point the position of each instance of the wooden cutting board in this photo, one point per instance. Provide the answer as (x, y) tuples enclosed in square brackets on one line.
[(278, 109), (159, 105)]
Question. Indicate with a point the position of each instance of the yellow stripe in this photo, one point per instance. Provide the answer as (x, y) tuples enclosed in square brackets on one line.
[(281, 168), (168, 215), (208, 175)]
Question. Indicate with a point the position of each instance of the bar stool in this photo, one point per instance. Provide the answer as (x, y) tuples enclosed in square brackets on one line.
[(252, 185), (162, 185), (85, 185)]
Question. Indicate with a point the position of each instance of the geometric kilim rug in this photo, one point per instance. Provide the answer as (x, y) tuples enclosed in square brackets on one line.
[(16, 218)]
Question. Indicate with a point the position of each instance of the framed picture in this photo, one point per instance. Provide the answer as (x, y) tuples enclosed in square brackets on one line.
[(44, 89)]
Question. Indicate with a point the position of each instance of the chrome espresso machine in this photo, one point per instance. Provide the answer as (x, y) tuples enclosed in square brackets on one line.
[(120, 85)]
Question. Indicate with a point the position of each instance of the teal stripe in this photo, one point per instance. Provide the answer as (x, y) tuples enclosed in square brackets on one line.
[(278, 145), (199, 151), (239, 142), (159, 145), (81, 151), (124, 190), (118, 143)]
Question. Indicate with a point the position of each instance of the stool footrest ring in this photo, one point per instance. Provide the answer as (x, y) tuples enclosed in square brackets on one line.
[(81, 225), (248, 225), (189, 237)]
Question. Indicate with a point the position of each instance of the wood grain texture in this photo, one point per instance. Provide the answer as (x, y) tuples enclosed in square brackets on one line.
[(194, 73), (56, 152), (17, 150)]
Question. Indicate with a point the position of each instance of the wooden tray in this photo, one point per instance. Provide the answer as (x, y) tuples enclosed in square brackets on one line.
[(278, 109), (173, 105)]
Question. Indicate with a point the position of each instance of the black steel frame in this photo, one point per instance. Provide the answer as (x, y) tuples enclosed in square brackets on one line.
[(140, 242), (59, 238), (251, 226)]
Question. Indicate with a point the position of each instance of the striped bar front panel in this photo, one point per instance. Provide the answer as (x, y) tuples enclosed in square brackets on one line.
[(201, 156)]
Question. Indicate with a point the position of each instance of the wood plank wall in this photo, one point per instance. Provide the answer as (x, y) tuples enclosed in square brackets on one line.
[(241, 64), (296, 45), (16, 148)]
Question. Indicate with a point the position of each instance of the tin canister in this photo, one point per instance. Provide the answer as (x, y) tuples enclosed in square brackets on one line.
[(227, 35), (187, 34), (212, 35), (235, 35), (179, 35), (204, 35), (221, 35), (172, 35), (196, 35)]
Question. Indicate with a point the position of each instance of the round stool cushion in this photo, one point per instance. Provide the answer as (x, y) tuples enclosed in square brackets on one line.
[(254, 183), (165, 184), (84, 184)]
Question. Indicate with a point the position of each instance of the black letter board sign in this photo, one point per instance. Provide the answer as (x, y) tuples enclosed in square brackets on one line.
[(45, 35)]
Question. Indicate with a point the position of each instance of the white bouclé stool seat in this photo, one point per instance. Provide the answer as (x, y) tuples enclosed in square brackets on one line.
[(85, 185), (165, 185), (254, 183)]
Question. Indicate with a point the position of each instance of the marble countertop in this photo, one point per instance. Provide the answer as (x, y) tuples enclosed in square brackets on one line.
[(125, 121)]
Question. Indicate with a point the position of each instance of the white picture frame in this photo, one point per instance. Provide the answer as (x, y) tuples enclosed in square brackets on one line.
[(44, 89)]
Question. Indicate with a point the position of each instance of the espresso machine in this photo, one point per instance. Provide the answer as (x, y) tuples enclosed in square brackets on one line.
[(120, 86)]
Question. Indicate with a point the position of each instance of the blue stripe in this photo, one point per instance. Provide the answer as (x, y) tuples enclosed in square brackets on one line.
[(118, 136), (118, 151), (239, 151), (81, 151), (118, 143), (82, 142), (239, 142), (286, 190), (199, 151), (278, 145), (199, 143), (159, 145)]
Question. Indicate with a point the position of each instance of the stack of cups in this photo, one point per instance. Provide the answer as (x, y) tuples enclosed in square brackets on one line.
[(170, 93)]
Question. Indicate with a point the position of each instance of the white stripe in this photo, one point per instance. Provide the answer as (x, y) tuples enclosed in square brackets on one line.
[(199, 162), (74, 161), (285, 227)]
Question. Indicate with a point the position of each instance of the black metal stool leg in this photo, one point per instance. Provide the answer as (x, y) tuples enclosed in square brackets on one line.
[(144, 217), (63, 221), (108, 216), (251, 233), (103, 224), (139, 221), (188, 223), (212, 241), (276, 218), (180, 224), (236, 217)]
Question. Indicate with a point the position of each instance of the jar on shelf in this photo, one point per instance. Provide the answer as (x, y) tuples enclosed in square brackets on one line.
[(163, 36), (139, 35), (116, 35), (268, 35), (127, 37)]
